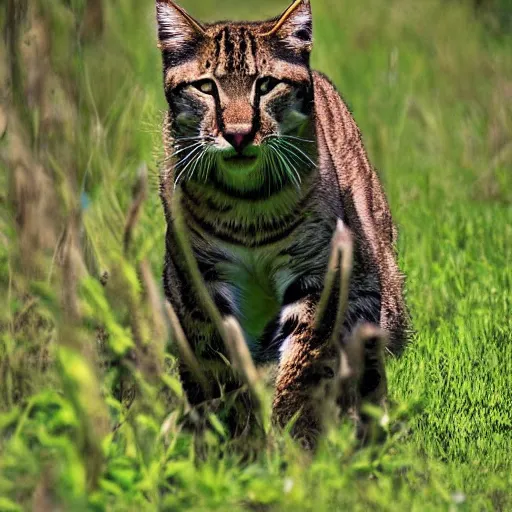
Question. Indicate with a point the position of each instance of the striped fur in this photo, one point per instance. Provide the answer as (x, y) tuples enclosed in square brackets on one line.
[(268, 158)]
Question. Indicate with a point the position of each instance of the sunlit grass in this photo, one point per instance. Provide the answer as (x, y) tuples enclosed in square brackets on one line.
[(430, 85)]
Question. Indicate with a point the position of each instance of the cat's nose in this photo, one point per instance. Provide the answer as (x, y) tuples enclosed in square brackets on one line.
[(239, 137)]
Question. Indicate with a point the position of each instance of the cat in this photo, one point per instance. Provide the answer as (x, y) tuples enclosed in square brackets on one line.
[(266, 162)]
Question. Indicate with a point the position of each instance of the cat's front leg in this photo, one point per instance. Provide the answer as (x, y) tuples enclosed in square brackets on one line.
[(309, 335), (322, 377), (307, 380), (329, 364)]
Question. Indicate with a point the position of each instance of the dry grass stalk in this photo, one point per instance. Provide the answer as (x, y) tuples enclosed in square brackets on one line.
[(93, 21), (191, 264), (84, 391), (159, 327), (340, 264), (229, 329), (140, 191), (243, 363), (186, 353), (149, 353)]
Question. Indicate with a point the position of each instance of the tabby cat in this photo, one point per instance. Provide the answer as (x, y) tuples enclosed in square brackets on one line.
[(265, 161)]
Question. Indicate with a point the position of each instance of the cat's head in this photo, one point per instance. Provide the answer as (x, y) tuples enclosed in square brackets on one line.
[(239, 94)]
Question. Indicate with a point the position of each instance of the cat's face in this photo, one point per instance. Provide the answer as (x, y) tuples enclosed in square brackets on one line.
[(239, 94)]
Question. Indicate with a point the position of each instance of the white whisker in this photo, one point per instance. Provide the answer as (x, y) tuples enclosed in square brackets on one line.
[(294, 147), (192, 157)]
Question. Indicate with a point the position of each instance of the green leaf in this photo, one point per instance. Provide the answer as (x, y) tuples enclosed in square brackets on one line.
[(217, 425), (7, 505)]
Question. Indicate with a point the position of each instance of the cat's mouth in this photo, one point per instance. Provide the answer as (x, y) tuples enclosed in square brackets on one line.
[(240, 159), (233, 161)]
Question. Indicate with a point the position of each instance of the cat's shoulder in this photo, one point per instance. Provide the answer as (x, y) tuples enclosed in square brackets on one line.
[(332, 111), (325, 86)]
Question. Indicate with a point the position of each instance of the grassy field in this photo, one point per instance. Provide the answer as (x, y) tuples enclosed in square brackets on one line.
[(89, 402)]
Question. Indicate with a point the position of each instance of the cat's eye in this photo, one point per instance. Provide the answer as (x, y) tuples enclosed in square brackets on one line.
[(266, 84), (205, 86)]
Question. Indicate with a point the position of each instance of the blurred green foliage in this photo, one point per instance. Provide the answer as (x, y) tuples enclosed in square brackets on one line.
[(89, 401)]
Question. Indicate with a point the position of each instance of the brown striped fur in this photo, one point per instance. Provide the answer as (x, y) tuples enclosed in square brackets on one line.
[(233, 89)]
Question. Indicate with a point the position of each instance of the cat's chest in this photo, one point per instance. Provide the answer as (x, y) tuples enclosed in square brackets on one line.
[(256, 281)]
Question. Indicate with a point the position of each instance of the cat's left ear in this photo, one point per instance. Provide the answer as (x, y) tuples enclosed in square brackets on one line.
[(176, 28), (295, 26)]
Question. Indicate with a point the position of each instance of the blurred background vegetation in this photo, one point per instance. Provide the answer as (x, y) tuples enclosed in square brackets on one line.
[(89, 402)]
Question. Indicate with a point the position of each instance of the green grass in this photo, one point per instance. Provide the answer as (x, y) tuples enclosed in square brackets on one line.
[(430, 84)]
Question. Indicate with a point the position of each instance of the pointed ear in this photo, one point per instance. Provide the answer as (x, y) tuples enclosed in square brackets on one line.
[(176, 28), (295, 26)]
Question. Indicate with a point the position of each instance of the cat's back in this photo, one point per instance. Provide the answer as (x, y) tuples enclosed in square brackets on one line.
[(342, 154), (334, 121), (344, 164)]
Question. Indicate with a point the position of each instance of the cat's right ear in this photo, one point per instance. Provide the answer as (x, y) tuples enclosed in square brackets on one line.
[(295, 27), (177, 30)]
